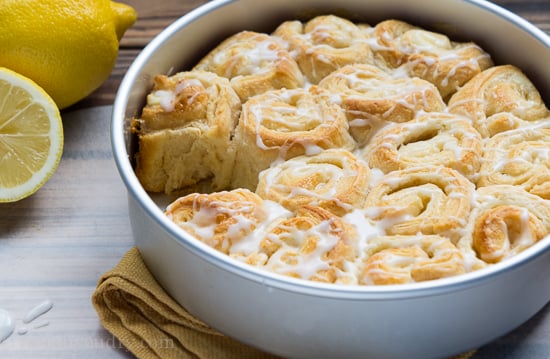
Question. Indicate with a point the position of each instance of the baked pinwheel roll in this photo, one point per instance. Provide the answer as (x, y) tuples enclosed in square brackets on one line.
[(429, 55), (408, 259), (427, 200), (334, 179), (505, 221), (431, 139), (519, 157), (254, 63), (314, 245), (219, 219), (282, 124), (372, 97), (185, 131), (499, 99), (324, 44)]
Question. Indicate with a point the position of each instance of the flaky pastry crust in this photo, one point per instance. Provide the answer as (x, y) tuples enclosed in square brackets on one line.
[(408, 259), (426, 54), (499, 99), (254, 63), (185, 132), (314, 245), (440, 139), (282, 124), (219, 219), (519, 157), (334, 179), (324, 44), (427, 200), (504, 222), (372, 98)]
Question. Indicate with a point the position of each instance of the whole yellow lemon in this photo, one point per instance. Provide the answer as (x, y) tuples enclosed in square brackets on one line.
[(68, 47)]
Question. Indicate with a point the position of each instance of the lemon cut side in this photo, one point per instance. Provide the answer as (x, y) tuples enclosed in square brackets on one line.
[(31, 136)]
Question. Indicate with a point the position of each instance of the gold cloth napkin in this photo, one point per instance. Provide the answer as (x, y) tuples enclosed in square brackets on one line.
[(133, 307)]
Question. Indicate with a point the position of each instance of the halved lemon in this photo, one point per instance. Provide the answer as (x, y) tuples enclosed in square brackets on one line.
[(31, 136)]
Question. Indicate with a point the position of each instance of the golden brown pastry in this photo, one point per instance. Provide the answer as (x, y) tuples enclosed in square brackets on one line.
[(325, 151), (219, 219), (371, 98), (185, 131), (324, 44), (383, 39), (519, 157), (254, 63), (334, 179), (499, 99), (427, 199), (282, 124), (505, 221), (314, 244), (431, 139), (409, 259), (429, 55)]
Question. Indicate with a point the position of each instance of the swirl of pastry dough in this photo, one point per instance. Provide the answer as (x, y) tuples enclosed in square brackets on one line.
[(282, 124), (499, 99), (219, 219), (409, 259), (428, 200), (254, 63), (431, 139), (519, 157), (334, 179), (185, 131), (324, 44), (382, 39), (314, 245), (429, 55), (371, 97), (505, 221)]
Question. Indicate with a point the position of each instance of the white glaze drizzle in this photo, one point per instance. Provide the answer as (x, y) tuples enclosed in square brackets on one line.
[(167, 98), (7, 325), (251, 243), (40, 309)]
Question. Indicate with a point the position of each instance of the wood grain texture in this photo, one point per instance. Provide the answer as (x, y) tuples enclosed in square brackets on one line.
[(56, 244)]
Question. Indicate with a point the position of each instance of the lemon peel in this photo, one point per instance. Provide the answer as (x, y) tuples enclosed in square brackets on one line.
[(68, 47)]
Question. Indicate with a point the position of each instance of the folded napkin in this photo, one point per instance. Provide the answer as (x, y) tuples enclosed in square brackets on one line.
[(133, 307)]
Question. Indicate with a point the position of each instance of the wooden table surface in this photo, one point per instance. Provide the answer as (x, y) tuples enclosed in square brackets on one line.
[(55, 244)]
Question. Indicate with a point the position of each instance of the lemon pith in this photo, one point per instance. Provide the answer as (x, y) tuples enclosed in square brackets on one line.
[(31, 136)]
